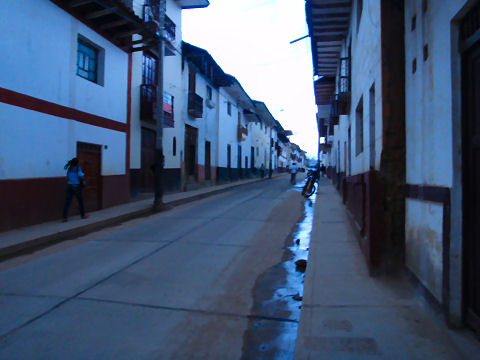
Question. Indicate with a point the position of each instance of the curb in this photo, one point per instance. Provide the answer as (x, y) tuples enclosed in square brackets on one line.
[(30, 246)]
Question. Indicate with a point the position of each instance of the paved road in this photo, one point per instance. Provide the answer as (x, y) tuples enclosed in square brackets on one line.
[(191, 283)]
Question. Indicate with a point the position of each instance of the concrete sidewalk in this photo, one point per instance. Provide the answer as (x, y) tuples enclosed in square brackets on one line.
[(30, 238), (346, 314)]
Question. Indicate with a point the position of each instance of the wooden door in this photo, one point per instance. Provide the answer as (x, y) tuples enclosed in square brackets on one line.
[(191, 135), (90, 160), (147, 160), (471, 199), (208, 161)]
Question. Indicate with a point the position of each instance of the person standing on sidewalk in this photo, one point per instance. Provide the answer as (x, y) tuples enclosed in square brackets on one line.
[(293, 174), (75, 183)]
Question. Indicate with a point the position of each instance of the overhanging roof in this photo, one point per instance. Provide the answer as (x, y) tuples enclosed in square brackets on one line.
[(236, 91), (112, 19), (192, 4), (328, 22), (324, 89), (265, 114), (206, 65)]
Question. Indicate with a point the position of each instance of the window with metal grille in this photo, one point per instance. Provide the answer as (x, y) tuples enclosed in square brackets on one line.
[(87, 61)]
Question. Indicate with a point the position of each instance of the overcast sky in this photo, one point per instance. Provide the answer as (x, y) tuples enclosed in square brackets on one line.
[(249, 39)]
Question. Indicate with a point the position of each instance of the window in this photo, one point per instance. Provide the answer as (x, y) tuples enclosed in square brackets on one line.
[(209, 93), (87, 61), (149, 70), (174, 146), (192, 75), (359, 127), (229, 108), (414, 23), (425, 52), (424, 6)]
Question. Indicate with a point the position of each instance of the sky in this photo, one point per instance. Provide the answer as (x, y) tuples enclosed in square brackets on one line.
[(250, 39)]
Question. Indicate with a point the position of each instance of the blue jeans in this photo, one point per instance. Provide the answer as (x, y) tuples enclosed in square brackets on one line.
[(71, 191)]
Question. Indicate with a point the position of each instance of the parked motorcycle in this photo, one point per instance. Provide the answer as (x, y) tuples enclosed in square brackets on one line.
[(309, 187)]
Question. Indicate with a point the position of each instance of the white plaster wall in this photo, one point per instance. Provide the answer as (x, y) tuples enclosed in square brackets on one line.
[(135, 124), (41, 62), (174, 84), (41, 59), (424, 250), (207, 125), (227, 130), (429, 93), (25, 154), (432, 122), (366, 71)]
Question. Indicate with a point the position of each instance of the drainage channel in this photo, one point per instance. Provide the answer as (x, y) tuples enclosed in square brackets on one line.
[(277, 297)]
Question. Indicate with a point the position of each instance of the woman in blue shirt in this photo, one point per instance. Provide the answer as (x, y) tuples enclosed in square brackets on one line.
[(75, 183)]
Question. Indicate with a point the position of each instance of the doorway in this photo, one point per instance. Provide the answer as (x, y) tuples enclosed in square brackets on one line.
[(191, 136), (239, 161), (147, 159), (471, 190), (90, 159), (208, 161)]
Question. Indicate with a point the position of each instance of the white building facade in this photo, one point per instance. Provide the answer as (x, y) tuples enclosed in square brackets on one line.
[(65, 95)]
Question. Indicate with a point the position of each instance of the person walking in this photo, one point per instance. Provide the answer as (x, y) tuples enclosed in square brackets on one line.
[(75, 183), (293, 174)]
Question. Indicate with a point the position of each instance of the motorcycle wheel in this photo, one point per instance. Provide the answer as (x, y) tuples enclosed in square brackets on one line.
[(309, 188)]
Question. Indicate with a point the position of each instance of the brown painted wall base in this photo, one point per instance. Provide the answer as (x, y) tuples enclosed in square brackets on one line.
[(33, 201), (115, 190), (363, 195)]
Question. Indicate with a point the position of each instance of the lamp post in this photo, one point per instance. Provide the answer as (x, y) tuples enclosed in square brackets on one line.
[(158, 204)]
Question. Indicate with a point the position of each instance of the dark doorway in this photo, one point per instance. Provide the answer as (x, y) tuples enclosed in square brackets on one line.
[(90, 159), (208, 161), (471, 191), (147, 159), (191, 136), (239, 161), (229, 160), (252, 159)]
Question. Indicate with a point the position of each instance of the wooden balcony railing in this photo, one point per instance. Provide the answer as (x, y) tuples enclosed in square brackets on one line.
[(242, 133), (195, 105), (151, 15), (148, 106)]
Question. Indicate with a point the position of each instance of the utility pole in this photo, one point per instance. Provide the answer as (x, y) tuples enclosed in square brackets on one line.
[(158, 204)]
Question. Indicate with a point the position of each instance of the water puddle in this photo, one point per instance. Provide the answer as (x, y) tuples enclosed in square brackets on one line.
[(272, 330)]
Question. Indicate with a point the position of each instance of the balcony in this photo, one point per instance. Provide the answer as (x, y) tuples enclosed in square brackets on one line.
[(148, 106), (242, 133), (195, 105), (151, 15)]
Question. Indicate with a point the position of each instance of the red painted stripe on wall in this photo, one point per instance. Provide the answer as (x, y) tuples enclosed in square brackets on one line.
[(31, 103)]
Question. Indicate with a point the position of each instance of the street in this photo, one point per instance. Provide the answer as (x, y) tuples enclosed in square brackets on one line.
[(213, 279)]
